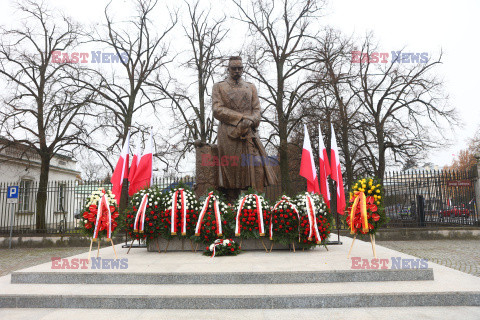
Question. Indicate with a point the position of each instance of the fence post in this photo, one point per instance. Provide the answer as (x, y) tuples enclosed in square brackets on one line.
[(12, 214), (477, 185), (421, 210)]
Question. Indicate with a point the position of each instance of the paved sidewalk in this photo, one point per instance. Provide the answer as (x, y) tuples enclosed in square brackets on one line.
[(446, 281), (21, 258), (444, 313), (462, 255)]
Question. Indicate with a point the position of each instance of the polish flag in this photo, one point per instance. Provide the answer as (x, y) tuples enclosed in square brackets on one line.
[(143, 173), (324, 168), (133, 168), (307, 165), (336, 173), (121, 170)]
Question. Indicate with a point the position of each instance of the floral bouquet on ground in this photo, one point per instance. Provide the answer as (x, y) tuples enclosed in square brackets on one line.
[(252, 214), (94, 205), (315, 220), (366, 213), (143, 214), (223, 247), (212, 222), (283, 222), (181, 207)]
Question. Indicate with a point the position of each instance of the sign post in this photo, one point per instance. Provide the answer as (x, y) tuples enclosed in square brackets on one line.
[(12, 199)]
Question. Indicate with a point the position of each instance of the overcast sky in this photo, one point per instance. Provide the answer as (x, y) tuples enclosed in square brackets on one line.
[(419, 26)]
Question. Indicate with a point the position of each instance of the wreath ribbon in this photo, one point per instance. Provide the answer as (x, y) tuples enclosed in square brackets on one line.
[(173, 214), (103, 204), (312, 219), (361, 200), (275, 208), (218, 218), (139, 224), (261, 226)]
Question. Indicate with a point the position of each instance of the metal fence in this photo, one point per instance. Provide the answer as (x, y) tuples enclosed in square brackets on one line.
[(412, 199), (65, 200), (431, 198)]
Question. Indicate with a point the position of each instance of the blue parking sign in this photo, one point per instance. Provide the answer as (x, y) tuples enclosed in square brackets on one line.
[(12, 194)]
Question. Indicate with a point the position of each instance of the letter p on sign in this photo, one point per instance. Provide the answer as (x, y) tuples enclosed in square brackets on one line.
[(12, 194)]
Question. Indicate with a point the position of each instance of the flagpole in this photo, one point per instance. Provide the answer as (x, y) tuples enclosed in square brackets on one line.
[(124, 196)]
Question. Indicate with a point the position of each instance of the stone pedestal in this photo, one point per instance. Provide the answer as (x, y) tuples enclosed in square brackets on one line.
[(206, 175), (186, 245), (173, 245)]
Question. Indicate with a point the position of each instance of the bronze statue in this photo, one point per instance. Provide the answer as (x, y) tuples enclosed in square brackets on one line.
[(243, 161)]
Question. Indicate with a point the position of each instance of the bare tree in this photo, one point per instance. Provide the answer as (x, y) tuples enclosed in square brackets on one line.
[(189, 107), (283, 36), (45, 105), (404, 105), (336, 102), (142, 53)]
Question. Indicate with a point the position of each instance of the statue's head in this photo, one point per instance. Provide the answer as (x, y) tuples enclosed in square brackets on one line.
[(235, 67)]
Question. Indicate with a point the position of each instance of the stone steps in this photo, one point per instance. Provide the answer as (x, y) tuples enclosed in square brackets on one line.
[(281, 277), (252, 280), (343, 300)]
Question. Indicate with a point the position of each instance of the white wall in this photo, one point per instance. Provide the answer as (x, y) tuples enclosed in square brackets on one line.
[(14, 171)]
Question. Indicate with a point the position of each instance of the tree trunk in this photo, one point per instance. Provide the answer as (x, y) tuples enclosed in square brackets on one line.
[(345, 141), (201, 103), (282, 132), (41, 204), (347, 157), (284, 165), (381, 155)]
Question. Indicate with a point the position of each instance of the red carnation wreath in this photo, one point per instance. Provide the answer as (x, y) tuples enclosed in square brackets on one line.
[(90, 213), (247, 216), (153, 211), (283, 226)]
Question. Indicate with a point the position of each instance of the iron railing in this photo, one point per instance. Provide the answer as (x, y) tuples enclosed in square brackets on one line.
[(412, 199), (420, 198), (65, 202)]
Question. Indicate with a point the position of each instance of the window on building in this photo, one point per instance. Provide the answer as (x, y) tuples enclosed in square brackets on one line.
[(25, 195), (61, 198)]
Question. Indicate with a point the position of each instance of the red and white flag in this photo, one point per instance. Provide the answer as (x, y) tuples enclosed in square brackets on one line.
[(133, 169), (324, 168), (121, 170), (336, 173), (307, 165), (143, 173)]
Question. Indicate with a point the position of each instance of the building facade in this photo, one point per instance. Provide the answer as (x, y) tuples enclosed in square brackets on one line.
[(19, 165)]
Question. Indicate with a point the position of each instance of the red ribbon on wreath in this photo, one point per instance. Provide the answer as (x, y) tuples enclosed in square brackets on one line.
[(103, 205), (218, 218), (261, 226), (139, 224), (312, 220), (183, 209), (284, 199)]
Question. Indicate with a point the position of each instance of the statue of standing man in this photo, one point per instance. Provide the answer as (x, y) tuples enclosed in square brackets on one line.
[(243, 160)]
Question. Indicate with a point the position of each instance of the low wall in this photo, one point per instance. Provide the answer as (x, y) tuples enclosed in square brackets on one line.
[(45, 242)]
